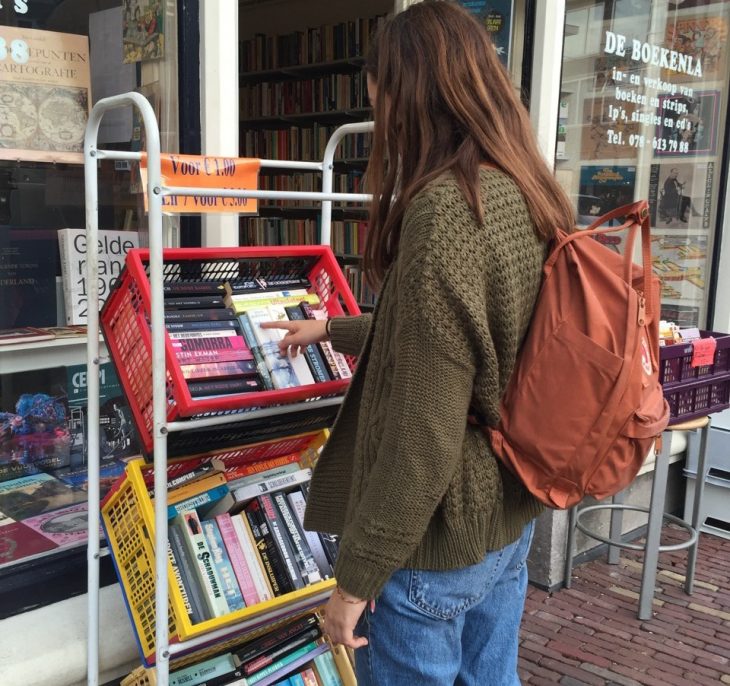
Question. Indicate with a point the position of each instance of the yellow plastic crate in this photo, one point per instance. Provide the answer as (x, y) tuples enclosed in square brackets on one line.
[(144, 676), (128, 515)]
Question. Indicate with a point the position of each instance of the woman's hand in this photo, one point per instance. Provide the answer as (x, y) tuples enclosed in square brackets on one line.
[(299, 334), (341, 615)]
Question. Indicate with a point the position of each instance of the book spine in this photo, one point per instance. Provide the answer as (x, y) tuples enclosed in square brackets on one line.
[(273, 473), (325, 347), (205, 570), (309, 677), (237, 558), (314, 358), (302, 553), (243, 495), (223, 387), (342, 366), (66, 276), (179, 580), (282, 662), (243, 470), (185, 564), (253, 559), (219, 555), (283, 544), (208, 333), (239, 306), (207, 498), (234, 678), (214, 325), (267, 296), (192, 475), (224, 348), (273, 564), (298, 505), (197, 302), (259, 646), (219, 370), (290, 663), (331, 546), (198, 673), (188, 288), (289, 647), (327, 669), (213, 314), (248, 334), (262, 285)]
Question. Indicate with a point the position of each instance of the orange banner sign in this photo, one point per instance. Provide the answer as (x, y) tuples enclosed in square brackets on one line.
[(200, 172)]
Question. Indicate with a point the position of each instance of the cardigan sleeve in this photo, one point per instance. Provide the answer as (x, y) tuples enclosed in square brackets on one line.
[(431, 390), (348, 334)]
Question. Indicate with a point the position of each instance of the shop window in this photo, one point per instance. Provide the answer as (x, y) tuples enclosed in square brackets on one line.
[(642, 115), (57, 58)]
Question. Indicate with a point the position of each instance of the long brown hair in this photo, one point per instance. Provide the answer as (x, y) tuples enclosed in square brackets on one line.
[(445, 102)]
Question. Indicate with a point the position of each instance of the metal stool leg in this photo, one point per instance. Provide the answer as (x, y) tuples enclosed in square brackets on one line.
[(654, 529), (697, 518), (570, 547), (616, 528)]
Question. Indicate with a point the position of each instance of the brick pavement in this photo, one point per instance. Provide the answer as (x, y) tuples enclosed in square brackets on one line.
[(590, 634)]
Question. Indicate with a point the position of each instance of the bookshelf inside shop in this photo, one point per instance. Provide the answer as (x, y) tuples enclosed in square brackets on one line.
[(296, 87), (221, 623)]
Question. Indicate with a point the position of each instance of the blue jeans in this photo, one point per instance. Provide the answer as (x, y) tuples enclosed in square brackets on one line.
[(438, 628)]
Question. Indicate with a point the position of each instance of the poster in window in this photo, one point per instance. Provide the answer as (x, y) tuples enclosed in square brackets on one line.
[(142, 30), (680, 262), (44, 95), (604, 188), (680, 195), (688, 124), (701, 37), (604, 135), (496, 15)]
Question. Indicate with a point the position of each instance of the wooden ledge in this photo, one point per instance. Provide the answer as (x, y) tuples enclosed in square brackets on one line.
[(691, 425)]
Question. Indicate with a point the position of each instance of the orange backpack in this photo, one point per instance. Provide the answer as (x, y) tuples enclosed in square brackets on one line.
[(584, 403)]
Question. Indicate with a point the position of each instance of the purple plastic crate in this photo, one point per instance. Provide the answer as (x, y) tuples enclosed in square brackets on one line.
[(695, 391)]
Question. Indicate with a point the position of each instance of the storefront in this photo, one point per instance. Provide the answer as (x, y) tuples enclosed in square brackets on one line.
[(632, 104), (642, 114)]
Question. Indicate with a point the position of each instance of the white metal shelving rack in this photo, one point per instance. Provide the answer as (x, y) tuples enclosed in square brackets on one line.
[(155, 194)]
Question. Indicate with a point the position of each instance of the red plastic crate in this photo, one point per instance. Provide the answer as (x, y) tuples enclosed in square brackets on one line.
[(126, 313), (695, 391)]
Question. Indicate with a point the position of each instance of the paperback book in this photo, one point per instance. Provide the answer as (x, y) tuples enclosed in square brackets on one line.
[(113, 248)]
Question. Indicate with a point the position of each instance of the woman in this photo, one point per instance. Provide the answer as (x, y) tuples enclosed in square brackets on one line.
[(432, 528)]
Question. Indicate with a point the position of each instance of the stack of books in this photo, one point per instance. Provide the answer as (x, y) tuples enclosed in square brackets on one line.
[(215, 332), (295, 654), (236, 535)]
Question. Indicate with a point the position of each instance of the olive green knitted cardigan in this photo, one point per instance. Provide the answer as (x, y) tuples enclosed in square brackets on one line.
[(404, 479)]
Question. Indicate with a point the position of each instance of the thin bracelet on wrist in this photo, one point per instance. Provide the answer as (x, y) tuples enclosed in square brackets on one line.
[(327, 328), (339, 592)]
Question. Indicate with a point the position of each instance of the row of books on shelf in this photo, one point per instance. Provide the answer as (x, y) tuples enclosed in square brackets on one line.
[(359, 286), (347, 237), (323, 94), (294, 654), (216, 334), (297, 143), (351, 182), (236, 537), (318, 44)]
